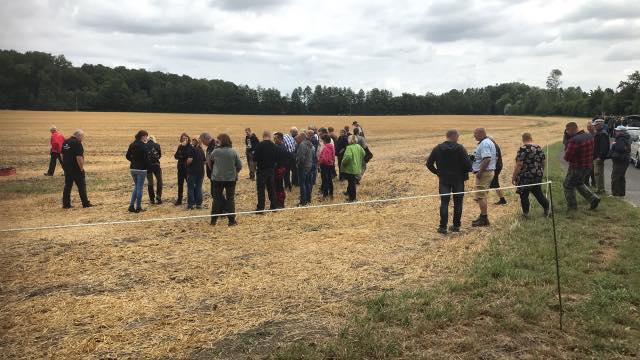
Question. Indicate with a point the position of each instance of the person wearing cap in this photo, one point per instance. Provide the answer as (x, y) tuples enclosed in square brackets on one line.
[(600, 151), (57, 139), (620, 154), (579, 155)]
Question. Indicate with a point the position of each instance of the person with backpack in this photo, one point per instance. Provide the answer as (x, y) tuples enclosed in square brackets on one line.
[(495, 182), (352, 163), (620, 154), (153, 157), (137, 156), (182, 153)]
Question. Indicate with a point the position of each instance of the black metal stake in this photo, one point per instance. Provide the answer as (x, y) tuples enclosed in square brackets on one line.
[(555, 244)]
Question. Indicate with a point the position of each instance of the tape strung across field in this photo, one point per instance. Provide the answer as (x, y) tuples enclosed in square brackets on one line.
[(366, 202)]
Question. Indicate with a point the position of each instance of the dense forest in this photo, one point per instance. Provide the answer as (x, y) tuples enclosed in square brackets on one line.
[(41, 81)]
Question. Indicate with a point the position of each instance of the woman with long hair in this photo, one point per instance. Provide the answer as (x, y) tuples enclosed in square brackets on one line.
[(183, 151), (224, 174), (137, 156)]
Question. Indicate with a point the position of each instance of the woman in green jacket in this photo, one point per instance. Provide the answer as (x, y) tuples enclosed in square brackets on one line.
[(352, 161)]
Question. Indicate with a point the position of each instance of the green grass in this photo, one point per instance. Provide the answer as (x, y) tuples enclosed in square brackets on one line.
[(505, 304)]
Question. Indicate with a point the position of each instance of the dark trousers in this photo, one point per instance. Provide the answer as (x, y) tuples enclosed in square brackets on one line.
[(340, 174), (447, 188), (618, 180), (280, 176), (251, 163), (182, 177), (575, 181), (78, 178), (224, 194), (194, 184), (537, 193), (265, 180), (326, 173), (55, 157), (590, 179), (306, 187), (154, 171), (351, 186), (294, 172)]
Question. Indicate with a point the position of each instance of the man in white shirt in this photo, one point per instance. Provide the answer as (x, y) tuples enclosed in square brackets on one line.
[(484, 165)]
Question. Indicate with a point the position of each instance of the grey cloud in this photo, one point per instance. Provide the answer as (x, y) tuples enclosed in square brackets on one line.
[(594, 30), (623, 54), (158, 19), (605, 10), (247, 5), (149, 27), (453, 29)]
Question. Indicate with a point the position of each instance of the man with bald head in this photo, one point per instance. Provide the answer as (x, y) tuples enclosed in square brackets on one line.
[(73, 165), (450, 162), (265, 157), (484, 166)]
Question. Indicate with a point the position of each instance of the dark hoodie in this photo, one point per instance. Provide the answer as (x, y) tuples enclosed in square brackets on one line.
[(452, 163), (621, 148)]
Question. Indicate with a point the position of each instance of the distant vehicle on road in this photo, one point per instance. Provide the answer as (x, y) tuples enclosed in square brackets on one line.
[(632, 122)]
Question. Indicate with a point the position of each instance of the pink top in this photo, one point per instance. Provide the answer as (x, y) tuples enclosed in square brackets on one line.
[(327, 155)]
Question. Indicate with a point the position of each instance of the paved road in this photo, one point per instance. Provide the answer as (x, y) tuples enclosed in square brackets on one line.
[(633, 183)]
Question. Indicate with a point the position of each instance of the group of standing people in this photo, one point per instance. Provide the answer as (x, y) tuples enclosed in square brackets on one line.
[(277, 163), (281, 161), (586, 153), (452, 164)]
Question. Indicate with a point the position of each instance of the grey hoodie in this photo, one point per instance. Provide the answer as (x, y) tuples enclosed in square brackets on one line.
[(304, 155)]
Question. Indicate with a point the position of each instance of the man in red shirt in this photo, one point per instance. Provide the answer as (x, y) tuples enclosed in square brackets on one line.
[(56, 149), (579, 155)]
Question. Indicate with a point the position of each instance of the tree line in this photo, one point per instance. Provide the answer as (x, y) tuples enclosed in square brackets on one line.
[(41, 81)]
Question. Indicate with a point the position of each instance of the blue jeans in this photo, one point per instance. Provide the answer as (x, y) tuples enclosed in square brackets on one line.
[(306, 186), (194, 187), (138, 187)]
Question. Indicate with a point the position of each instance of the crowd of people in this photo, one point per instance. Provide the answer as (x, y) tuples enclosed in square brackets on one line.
[(452, 164), (280, 161), (277, 163), (587, 151)]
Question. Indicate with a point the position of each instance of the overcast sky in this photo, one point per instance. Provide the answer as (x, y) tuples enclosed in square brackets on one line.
[(414, 46)]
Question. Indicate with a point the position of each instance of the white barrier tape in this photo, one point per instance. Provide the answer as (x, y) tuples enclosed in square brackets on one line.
[(366, 202)]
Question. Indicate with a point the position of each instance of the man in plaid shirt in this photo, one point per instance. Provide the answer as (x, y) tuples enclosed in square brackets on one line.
[(579, 155), (290, 144)]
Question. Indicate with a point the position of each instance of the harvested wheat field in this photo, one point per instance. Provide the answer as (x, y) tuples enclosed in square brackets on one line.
[(184, 289)]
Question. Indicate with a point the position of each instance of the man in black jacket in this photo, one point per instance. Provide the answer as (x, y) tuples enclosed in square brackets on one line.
[(251, 141), (600, 151), (451, 163), (265, 157)]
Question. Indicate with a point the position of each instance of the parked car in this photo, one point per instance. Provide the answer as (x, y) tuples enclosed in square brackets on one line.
[(632, 122)]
